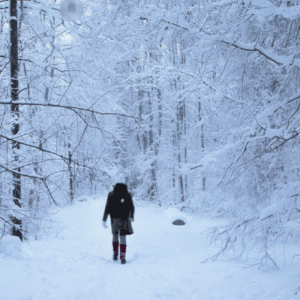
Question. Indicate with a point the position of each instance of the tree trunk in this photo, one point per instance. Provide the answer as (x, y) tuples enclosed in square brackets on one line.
[(142, 112), (154, 150), (159, 112), (180, 117), (202, 143), (71, 188), (14, 84), (185, 148)]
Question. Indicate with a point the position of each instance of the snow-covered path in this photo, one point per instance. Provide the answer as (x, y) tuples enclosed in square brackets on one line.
[(164, 262)]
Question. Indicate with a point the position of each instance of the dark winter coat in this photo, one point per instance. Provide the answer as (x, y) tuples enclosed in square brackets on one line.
[(119, 206)]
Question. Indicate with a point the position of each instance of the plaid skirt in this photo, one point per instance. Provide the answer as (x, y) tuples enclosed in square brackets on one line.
[(123, 227)]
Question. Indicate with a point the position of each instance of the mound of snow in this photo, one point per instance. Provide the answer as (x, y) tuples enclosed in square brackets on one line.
[(173, 214), (10, 245)]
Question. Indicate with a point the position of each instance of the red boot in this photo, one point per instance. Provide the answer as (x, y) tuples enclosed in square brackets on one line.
[(115, 250), (123, 253)]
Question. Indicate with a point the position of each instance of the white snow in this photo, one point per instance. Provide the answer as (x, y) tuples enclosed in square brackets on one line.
[(164, 262), (71, 10), (11, 246), (276, 207), (271, 133)]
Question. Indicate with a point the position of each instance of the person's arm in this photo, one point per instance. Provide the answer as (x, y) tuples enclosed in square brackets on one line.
[(107, 210), (131, 212)]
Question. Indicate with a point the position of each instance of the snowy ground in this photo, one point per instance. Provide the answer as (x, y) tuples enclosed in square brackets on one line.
[(164, 262)]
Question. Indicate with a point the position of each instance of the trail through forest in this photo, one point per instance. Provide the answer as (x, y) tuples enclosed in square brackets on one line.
[(164, 262)]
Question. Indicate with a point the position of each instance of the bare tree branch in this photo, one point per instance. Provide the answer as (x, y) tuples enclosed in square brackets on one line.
[(72, 108)]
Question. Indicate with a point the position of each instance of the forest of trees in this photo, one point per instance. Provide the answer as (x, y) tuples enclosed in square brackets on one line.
[(194, 102)]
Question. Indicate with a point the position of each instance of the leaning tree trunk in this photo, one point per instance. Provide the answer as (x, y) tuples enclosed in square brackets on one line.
[(14, 60)]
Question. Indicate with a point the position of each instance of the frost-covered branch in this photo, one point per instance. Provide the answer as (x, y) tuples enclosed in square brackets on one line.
[(253, 47)]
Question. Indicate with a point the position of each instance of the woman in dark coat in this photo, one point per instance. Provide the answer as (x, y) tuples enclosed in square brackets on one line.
[(119, 206)]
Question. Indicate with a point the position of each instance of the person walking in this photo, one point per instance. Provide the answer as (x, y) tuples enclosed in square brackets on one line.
[(119, 206)]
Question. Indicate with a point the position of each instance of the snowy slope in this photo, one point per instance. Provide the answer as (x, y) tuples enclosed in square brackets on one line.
[(164, 262)]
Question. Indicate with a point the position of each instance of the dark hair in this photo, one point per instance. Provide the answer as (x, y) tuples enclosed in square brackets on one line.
[(121, 189)]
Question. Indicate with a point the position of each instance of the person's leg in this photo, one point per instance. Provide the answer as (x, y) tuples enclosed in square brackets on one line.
[(115, 245), (115, 238), (123, 239), (123, 248)]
